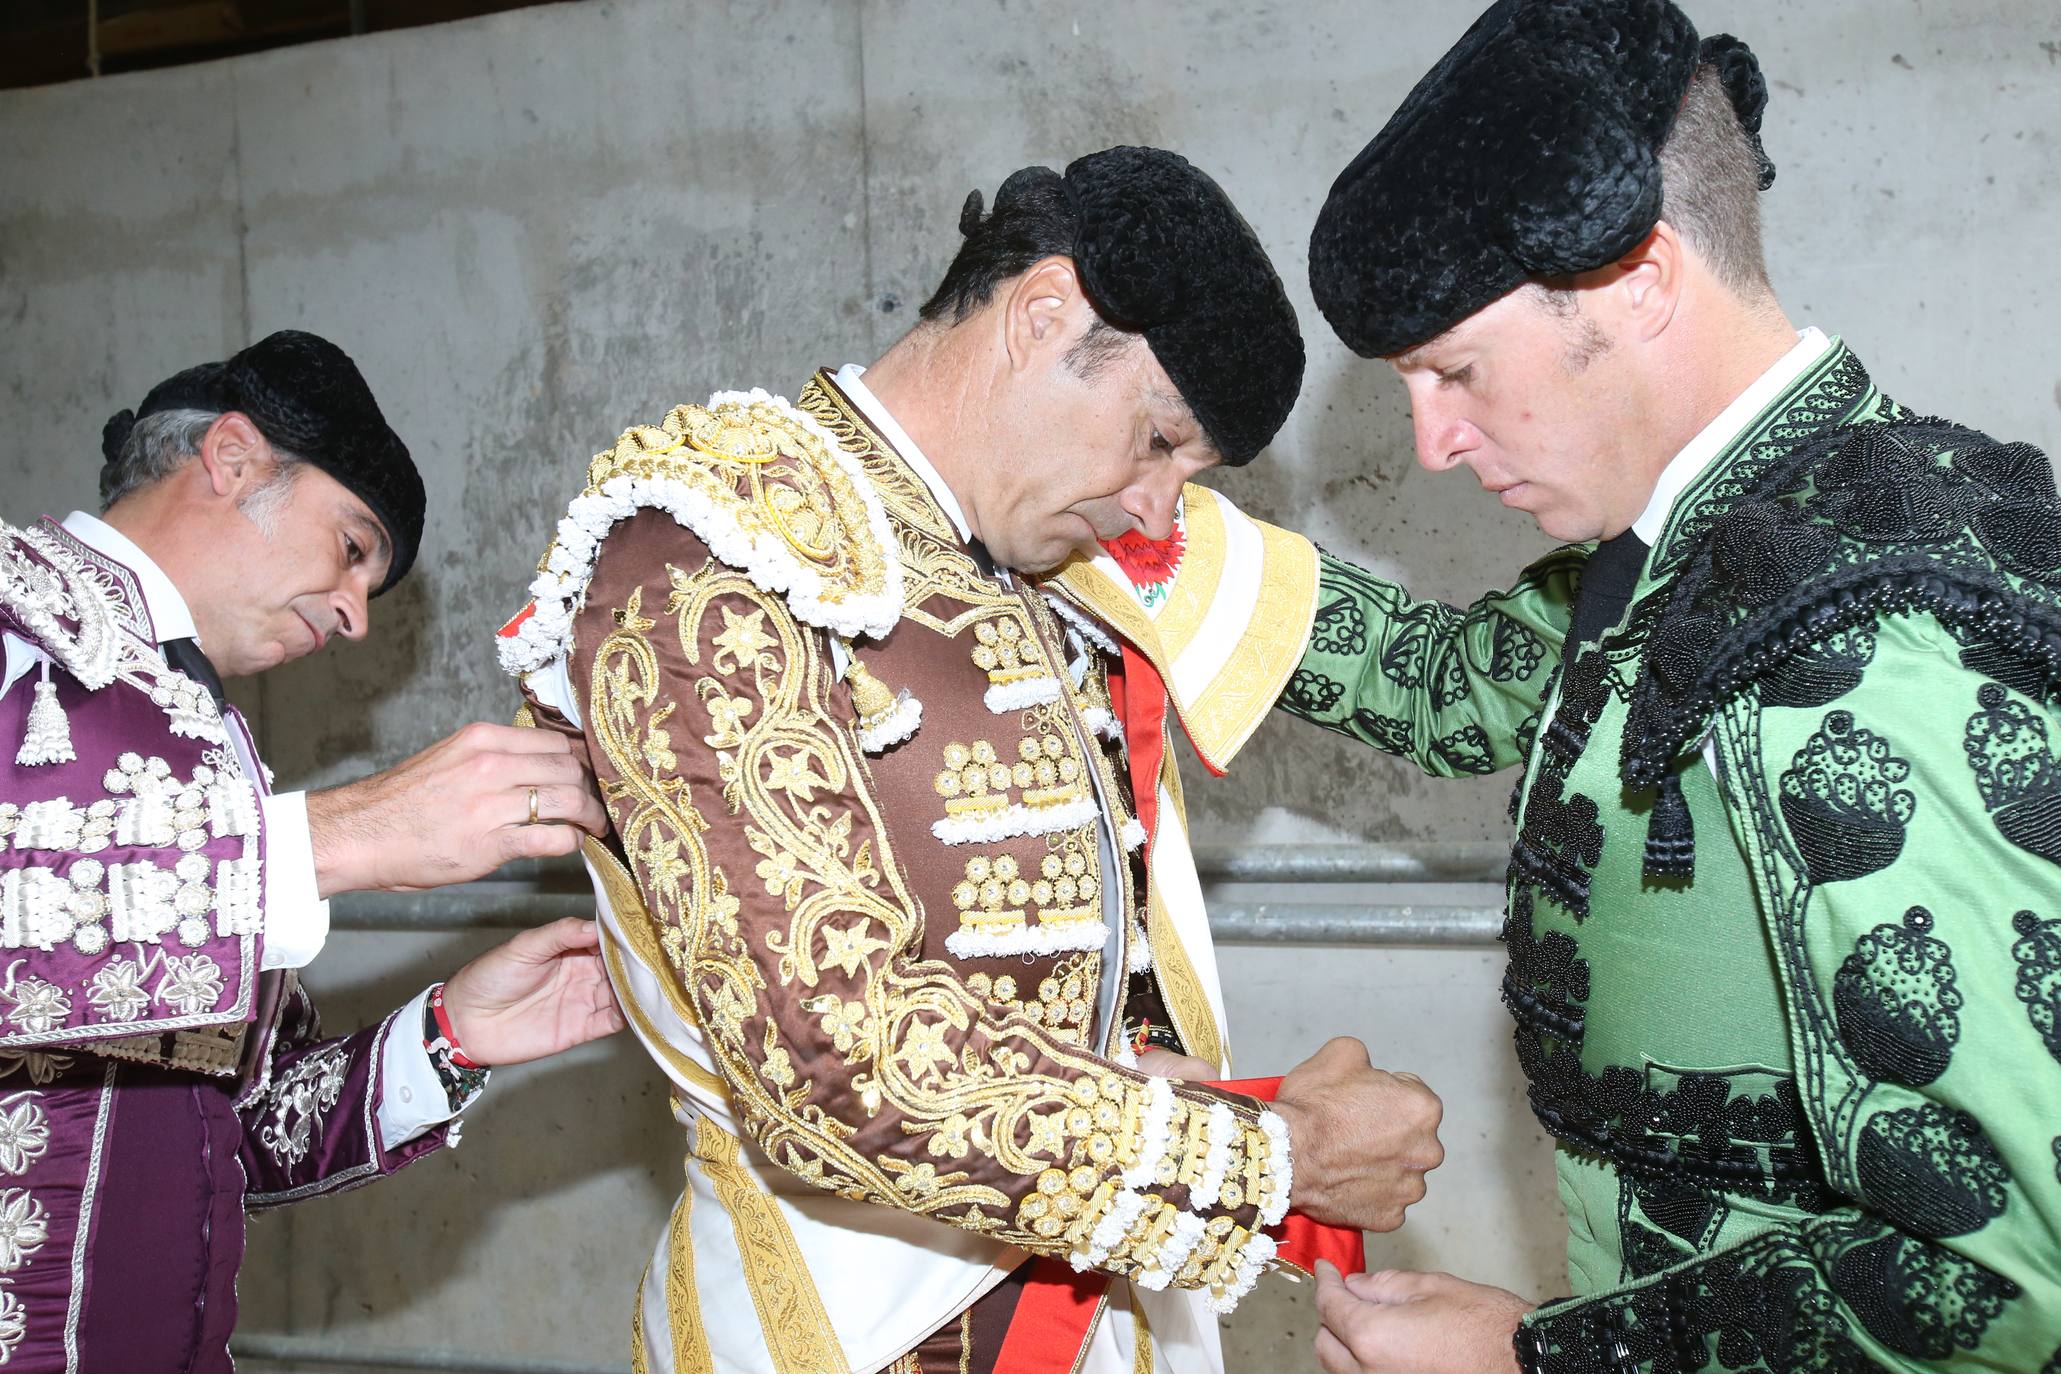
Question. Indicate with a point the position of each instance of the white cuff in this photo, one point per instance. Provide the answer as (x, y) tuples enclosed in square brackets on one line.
[(411, 1096), (296, 917)]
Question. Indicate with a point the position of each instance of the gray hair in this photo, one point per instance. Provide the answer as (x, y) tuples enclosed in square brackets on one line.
[(1710, 186), (161, 443)]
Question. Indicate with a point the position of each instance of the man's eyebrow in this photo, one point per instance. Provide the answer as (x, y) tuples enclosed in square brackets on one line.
[(1414, 357), (1170, 400)]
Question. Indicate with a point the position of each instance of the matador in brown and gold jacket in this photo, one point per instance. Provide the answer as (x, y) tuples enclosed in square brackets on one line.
[(898, 879)]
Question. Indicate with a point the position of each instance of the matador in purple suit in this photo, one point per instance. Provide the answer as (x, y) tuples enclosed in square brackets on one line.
[(161, 1068)]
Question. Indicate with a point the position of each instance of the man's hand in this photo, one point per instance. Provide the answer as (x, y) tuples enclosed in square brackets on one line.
[(456, 811), (1159, 1063), (1399, 1322), (544, 991), (1362, 1138)]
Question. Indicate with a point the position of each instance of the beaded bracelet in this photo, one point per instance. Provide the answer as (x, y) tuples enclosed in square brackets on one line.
[(462, 1078)]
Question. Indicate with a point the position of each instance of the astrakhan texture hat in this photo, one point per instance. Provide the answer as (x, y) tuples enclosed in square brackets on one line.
[(1530, 151), (306, 396), (1162, 252)]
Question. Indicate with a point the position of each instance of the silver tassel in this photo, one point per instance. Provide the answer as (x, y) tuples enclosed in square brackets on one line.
[(49, 737)]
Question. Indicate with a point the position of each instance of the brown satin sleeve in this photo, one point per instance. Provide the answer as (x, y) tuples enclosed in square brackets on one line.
[(726, 756)]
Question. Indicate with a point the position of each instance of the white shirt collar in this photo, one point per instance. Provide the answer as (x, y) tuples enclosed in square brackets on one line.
[(1675, 478), (170, 617), (847, 379)]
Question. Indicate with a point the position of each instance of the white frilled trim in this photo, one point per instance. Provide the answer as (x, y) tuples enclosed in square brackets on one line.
[(1280, 1167), (1258, 1252), (1006, 697), (1173, 1252), (893, 727), (760, 555), (1125, 1057), (1157, 1133), (1101, 722), (1087, 629), (1124, 1210), (1138, 954), (1072, 937), (1133, 833), (1014, 819), (1223, 1131)]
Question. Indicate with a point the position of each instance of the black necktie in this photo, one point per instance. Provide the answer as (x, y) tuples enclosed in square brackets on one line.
[(1607, 581), (185, 655)]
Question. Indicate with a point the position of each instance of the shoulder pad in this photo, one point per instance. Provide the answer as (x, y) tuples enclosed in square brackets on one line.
[(763, 485)]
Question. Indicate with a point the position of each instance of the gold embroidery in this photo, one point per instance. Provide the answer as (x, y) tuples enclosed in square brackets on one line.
[(791, 1315), (820, 944), (1063, 1001), (1141, 1340), (934, 563), (900, 491), (691, 1353), (1006, 653), (639, 1362), (1202, 554), (908, 1036), (1179, 985), (771, 474)]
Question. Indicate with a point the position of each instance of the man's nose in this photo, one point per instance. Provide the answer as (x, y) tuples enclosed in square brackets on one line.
[(1442, 435), (353, 616), (1152, 504)]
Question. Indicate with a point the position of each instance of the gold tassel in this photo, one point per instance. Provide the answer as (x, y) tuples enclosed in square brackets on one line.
[(886, 717)]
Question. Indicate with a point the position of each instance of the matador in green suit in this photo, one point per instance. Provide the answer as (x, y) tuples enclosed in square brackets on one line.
[(1784, 911)]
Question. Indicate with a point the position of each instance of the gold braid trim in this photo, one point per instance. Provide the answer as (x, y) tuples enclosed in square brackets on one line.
[(691, 1354), (934, 562), (639, 1364), (792, 1318)]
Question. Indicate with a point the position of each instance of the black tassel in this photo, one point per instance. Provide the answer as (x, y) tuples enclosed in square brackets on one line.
[(1670, 833)]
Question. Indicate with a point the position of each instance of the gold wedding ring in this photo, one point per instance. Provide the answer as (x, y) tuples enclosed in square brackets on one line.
[(533, 806)]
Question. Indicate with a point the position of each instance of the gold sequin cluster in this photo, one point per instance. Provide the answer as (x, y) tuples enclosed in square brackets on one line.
[(1063, 1002)]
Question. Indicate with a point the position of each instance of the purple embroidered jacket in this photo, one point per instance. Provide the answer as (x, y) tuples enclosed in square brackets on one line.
[(153, 1082)]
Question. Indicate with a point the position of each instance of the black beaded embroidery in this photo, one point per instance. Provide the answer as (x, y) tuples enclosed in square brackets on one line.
[(1390, 734), (1931, 1169), (1842, 803), (1310, 693), (1918, 1299), (1773, 1304), (1698, 1131), (1896, 1002), (2016, 771), (1851, 525), (2037, 952)]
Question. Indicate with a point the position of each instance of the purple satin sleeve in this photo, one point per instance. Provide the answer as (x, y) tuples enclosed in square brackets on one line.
[(313, 1128)]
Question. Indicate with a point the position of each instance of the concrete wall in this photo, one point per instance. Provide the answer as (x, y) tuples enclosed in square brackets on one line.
[(534, 229)]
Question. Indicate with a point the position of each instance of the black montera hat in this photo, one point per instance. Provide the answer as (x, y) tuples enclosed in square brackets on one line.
[(306, 397), (1162, 252), (1530, 151)]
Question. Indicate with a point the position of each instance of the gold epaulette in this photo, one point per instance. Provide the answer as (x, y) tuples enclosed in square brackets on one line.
[(764, 486)]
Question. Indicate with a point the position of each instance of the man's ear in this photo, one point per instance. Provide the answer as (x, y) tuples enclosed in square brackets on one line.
[(1041, 312), (233, 455), (1648, 282)]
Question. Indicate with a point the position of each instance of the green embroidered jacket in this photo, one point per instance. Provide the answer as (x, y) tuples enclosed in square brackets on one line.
[(1784, 910)]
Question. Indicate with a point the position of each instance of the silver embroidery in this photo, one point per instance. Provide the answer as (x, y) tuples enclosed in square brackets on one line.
[(192, 983), (303, 1093), (24, 1226), (37, 1006), (24, 1132)]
